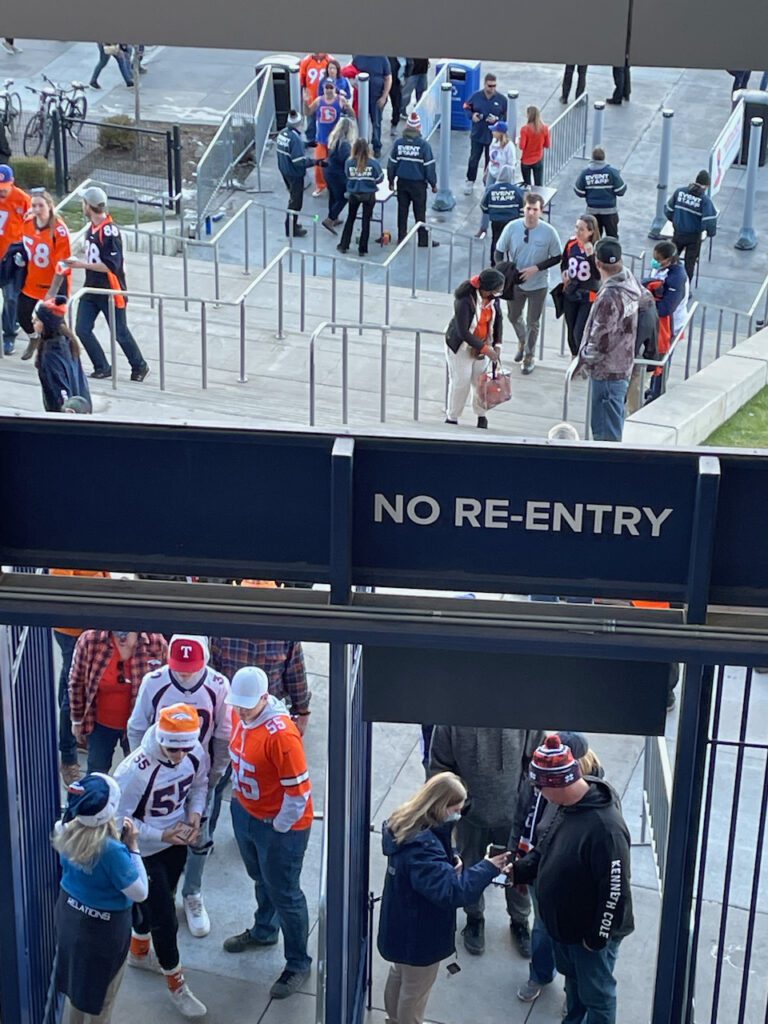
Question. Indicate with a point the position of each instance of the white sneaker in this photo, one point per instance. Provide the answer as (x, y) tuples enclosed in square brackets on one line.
[(198, 921), (149, 962), (468, 187), (8, 47), (187, 1003), (317, 193)]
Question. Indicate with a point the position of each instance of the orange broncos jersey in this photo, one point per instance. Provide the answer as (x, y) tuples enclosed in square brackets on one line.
[(13, 209), (311, 71), (45, 247), (268, 763)]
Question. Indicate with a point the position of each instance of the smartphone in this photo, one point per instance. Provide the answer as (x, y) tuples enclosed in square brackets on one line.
[(494, 850)]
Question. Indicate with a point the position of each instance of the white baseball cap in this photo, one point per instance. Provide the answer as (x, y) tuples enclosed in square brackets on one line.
[(248, 686), (94, 196)]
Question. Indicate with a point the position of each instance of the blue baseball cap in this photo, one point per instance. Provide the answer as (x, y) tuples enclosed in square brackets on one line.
[(500, 126), (6, 174)]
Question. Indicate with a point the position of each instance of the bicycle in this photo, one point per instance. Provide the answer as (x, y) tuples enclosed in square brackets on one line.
[(10, 107), (70, 104)]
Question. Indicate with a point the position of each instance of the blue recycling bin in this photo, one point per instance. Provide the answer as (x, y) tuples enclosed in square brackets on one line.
[(464, 76)]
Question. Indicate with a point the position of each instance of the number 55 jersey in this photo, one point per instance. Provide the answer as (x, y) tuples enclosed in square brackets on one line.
[(157, 794)]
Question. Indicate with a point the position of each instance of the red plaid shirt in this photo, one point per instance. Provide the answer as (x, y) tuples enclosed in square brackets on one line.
[(93, 653)]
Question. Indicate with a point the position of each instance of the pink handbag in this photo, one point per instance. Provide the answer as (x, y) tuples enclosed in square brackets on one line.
[(494, 388)]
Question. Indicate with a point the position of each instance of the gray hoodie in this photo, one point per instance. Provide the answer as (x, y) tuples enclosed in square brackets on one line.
[(608, 346), (491, 763)]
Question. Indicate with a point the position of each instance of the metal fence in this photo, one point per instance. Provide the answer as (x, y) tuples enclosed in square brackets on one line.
[(428, 107), (126, 160), (568, 137), (29, 804), (657, 801), (246, 125)]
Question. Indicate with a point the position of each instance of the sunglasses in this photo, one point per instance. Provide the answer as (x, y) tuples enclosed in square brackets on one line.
[(121, 673)]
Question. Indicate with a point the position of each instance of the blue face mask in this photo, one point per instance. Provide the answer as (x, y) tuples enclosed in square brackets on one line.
[(452, 818), (655, 265)]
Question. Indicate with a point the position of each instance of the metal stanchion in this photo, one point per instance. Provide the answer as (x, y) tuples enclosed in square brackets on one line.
[(512, 97), (383, 402), (216, 280), (294, 89), (161, 341), (416, 375), (344, 375), (243, 378), (280, 334), (302, 292), (113, 340), (246, 244), (748, 236), (664, 162), (204, 343), (445, 199), (597, 124), (363, 113)]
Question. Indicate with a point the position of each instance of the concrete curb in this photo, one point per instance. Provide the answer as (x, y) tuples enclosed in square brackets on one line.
[(690, 411)]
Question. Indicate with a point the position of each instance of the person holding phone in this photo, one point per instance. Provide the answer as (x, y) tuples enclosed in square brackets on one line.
[(163, 790), (486, 108), (424, 886), (102, 875)]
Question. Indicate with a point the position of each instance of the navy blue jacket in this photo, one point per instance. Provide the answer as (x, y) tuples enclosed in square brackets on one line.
[(365, 183), (673, 290), (422, 892), (692, 211), (61, 374), (291, 161), (503, 201), (600, 184), (478, 103), (411, 159), (337, 162)]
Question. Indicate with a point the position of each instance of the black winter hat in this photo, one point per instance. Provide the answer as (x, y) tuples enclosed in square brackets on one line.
[(490, 280)]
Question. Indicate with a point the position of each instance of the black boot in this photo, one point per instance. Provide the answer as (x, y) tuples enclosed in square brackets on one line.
[(474, 936), (482, 422)]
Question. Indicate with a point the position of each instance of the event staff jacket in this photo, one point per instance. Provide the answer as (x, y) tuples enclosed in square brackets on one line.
[(365, 182), (411, 159), (600, 185), (291, 161), (692, 211), (503, 202)]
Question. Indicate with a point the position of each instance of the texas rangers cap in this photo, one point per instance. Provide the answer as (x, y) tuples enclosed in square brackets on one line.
[(187, 653)]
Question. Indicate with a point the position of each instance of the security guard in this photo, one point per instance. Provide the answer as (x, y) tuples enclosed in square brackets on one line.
[(411, 162), (692, 211), (292, 164), (503, 201), (601, 185)]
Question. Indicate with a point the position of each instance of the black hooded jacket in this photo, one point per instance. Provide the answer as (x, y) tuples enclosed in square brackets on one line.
[(581, 870)]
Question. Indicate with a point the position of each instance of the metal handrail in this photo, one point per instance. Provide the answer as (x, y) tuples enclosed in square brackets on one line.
[(385, 330)]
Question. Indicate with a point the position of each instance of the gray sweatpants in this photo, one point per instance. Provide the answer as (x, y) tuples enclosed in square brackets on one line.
[(472, 843)]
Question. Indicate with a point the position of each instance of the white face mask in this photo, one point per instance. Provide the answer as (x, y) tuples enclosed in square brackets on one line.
[(453, 817)]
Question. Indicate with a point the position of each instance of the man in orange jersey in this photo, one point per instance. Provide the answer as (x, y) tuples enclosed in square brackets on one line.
[(271, 817), (312, 70), (13, 207), (104, 268)]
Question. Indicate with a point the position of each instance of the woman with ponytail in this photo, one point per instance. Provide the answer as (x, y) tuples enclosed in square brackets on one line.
[(472, 336)]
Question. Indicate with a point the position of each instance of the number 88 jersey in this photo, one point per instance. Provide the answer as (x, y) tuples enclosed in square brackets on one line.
[(44, 247)]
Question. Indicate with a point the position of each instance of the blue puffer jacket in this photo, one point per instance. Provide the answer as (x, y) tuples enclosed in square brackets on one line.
[(421, 894)]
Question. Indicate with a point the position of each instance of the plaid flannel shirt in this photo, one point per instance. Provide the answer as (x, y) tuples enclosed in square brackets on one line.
[(282, 660), (93, 653)]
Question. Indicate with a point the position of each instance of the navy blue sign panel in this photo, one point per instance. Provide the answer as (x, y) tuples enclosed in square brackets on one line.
[(740, 569), (516, 691), (546, 520)]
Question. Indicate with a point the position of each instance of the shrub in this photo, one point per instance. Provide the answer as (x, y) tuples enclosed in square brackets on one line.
[(114, 133), (33, 172)]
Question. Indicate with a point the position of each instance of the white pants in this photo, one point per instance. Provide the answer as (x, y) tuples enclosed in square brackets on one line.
[(464, 370)]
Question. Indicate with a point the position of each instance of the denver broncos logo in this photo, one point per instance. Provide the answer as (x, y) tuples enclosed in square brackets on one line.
[(328, 114)]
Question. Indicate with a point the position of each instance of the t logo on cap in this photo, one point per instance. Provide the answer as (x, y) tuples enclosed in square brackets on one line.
[(187, 654)]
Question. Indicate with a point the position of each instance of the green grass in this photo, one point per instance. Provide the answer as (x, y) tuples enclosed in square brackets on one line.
[(121, 215), (748, 428)]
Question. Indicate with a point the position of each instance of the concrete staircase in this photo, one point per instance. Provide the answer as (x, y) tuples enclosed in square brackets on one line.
[(277, 370)]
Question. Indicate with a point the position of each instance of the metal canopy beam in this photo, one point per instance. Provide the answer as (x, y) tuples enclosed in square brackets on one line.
[(503, 626)]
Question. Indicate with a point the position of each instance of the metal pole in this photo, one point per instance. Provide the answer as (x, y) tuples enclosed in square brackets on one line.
[(333, 293), (429, 258), (363, 113), (280, 335), (151, 239), (264, 236), (450, 261), (383, 399), (362, 296), (136, 85), (243, 378), (161, 341), (445, 199), (302, 292), (185, 273), (314, 245), (748, 236), (597, 124), (246, 242), (204, 342), (665, 160), (674, 955), (413, 265), (344, 376), (294, 89), (386, 296), (113, 340), (216, 281), (512, 97), (416, 375)]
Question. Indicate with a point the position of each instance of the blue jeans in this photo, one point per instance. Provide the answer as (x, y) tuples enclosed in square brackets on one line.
[(542, 970), (87, 312), (10, 302), (607, 412), (198, 854), (273, 860), (67, 745), (375, 112), (101, 747), (417, 83), (590, 987), (123, 59)]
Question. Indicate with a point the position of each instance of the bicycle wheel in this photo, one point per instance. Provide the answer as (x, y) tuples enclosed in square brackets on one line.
[(76, 112), (13, 116), (34, 134)]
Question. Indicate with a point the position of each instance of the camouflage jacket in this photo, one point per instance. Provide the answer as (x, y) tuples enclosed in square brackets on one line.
[(608, 347)]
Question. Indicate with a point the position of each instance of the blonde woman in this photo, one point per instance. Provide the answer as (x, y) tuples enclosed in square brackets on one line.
[(424, 885), (534, 139), (46, 242), (501, 153), (340, 143), (101, 879)]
